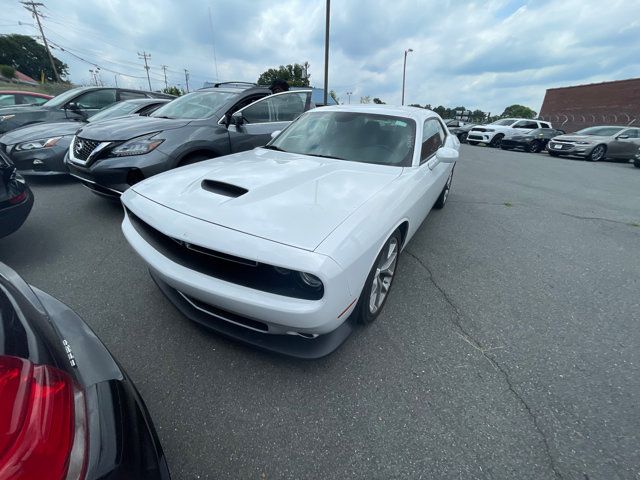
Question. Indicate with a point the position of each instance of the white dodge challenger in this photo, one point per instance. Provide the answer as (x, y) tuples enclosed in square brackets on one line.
[(288, 246)]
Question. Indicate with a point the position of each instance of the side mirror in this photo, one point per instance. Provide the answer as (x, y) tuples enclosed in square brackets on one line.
[(447, 155), (622, 137), (237, 119), (275, 134)]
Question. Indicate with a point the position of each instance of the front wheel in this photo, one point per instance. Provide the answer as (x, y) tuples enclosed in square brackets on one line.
[(597, 153), (462, 137), (378, 284), (534, 147), (496, 141)]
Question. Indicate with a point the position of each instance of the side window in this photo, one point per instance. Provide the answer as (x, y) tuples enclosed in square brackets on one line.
[(128, 95), (631, 133), (96, 99), (545, 124), (244, 102), (7, 100), (432, 138), (283, 107), (33, 100), (526, 124)]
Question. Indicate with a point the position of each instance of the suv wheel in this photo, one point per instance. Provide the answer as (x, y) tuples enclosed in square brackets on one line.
[(636, 162), (496, 141)]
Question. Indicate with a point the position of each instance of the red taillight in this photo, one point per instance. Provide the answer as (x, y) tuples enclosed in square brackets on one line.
[(21, 197), (42, 422)]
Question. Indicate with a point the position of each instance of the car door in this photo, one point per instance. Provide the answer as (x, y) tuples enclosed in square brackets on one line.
[(624, 144), (253, 125)]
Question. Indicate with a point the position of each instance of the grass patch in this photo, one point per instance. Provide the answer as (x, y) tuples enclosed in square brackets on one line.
[(508, 204), (635, 224)]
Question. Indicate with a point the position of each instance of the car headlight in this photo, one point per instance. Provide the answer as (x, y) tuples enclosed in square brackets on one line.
[(584, 143), (5, 117), (137, 146), (36, 144)]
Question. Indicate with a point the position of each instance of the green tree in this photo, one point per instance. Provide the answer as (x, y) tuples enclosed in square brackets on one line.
[(440, 110), (518, 111), (378, 101), (7, 71), (173, 91), (26, 55), (332, 94), (295, 75), (415, 105)]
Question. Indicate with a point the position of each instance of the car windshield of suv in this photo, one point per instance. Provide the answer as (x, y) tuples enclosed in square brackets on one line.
[(194, 105), (63, 97), (600, 131), (506, 122), (352, 136), (119, 109)]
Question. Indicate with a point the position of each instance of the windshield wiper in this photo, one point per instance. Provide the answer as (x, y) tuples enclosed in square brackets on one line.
[(324, 156), (273, 147)]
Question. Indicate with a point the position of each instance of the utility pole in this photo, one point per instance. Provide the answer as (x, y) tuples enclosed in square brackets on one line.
[(33, 8), (146, 56), (164, 70), (186, 78), (115, 77), (326, 52)]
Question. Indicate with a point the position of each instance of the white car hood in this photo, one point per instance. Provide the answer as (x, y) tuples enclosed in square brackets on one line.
[(292, 199)]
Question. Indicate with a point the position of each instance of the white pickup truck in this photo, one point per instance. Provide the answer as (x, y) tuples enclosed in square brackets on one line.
[(493, 133)]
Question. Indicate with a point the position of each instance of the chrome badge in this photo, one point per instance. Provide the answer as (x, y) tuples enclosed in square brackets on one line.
[(67, 348)]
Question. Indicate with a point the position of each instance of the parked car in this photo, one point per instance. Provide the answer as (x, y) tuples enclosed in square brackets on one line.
[(455, 123), (40, 149), (10, 98), (636, 159), (493, 133), (111, 156), (16, 198), (67, 408), (278, 246), (75, 104), (462, 132), (598, 143), (533, 142)]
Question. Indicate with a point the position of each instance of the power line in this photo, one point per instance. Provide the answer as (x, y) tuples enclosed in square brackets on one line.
[(146, 56), (33, 8)]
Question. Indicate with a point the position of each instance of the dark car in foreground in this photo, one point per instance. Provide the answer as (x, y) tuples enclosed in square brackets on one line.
[(16, 199), (533, 142), (462, 131), (598, 143), (40, 149), (75, 104), (67, 409), (10, 98), (111, 156)]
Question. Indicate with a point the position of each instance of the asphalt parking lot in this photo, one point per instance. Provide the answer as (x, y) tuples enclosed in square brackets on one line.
[(508, 348)]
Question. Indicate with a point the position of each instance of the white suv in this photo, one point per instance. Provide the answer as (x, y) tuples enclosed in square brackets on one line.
[(493, 133)]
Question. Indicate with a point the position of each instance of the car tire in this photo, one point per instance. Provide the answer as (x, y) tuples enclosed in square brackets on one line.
[(472, 142), (444, 194), (462, 137), (369, 307), (598, 153), (496, 141), (534, 147), (636, 162)]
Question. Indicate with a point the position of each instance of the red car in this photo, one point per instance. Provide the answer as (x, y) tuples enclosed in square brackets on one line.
[(10, 98)]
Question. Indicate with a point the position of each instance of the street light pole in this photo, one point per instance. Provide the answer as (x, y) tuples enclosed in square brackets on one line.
[(326, 53), (404, 71), (349, 96)]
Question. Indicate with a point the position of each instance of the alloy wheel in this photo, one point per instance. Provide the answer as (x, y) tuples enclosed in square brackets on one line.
[(383, 275), (597, 153)]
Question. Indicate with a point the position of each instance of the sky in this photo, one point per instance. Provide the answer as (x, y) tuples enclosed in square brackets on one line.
[(479, 54)]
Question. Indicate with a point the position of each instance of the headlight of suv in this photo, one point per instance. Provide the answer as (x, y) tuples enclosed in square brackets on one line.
[(5, 117), (36, 144), (137, 146)]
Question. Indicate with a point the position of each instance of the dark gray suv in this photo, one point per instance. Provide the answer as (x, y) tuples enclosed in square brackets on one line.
[(111, 156)]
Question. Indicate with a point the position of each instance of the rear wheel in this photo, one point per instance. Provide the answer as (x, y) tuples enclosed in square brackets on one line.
[(534, 147), (636, 162), (496, 141), (376, 289), (597, 153)]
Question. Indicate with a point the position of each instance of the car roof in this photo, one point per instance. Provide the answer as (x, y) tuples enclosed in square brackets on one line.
[(228, 89), (144, 101), (23, 92), (415, 113)]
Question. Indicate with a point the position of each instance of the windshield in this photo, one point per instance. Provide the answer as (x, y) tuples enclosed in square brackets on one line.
[(63, 97), (194, 105), (119, 109), (506, 122), (352, 136), (599, 131)]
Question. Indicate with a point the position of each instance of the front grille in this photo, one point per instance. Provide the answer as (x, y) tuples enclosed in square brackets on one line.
[(474, 137), (232, 269), (82, 148)]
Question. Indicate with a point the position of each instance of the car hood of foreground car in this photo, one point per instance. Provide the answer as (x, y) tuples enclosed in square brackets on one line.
[(293, 199), (126, 128), (40, 131)]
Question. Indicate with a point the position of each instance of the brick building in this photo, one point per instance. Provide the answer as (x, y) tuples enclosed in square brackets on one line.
[(581, 106)]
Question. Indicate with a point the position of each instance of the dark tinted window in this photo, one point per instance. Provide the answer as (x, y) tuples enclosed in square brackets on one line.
[(526, 124), (284, 107), (96, 100), (432, 138), (631, 133), (545, 125), (128, 95), (201, 104)]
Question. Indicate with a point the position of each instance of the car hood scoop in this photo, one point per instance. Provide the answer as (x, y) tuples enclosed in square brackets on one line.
[(292, 199)]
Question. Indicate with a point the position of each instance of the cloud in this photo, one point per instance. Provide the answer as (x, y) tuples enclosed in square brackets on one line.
[(480, 54)]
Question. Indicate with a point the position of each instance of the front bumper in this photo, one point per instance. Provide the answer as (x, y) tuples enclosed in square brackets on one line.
[(41, 161), (482, 137), (222, 305), (12, 218), (112, 176)]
